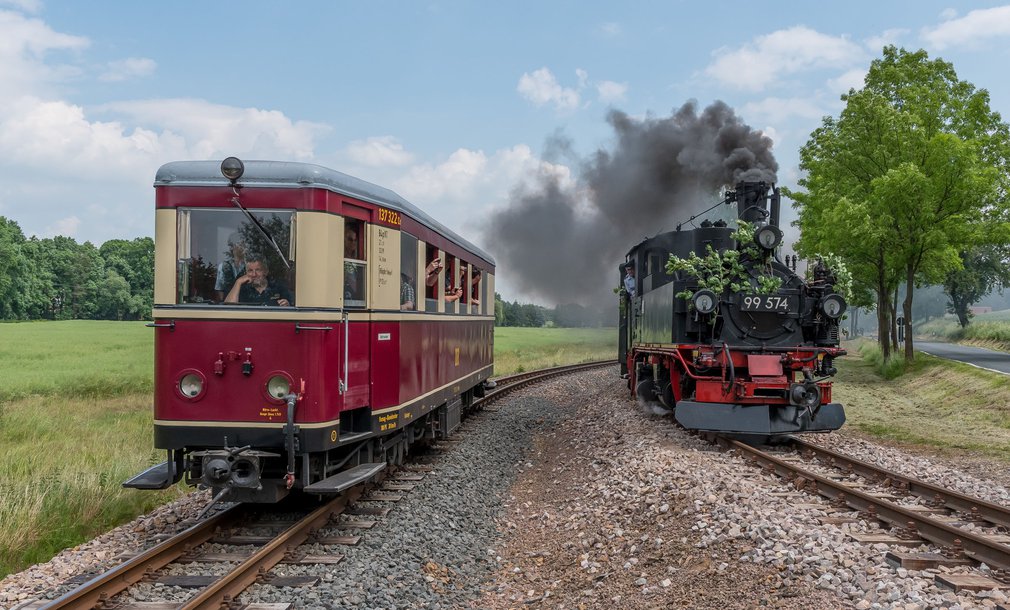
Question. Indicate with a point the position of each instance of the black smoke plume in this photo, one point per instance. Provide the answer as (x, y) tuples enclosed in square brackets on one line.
[(561, 243)]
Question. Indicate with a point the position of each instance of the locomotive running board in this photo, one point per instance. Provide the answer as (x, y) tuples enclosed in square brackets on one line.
[(159, 476), (757, 419), (346, 478)]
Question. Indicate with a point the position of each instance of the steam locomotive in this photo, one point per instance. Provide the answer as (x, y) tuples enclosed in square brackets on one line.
[(752, 358)]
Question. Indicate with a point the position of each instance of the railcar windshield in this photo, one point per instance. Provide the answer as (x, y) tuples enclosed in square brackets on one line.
[(229, 257)]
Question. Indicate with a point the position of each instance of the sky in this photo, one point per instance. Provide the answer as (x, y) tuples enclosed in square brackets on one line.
[(457, 106)]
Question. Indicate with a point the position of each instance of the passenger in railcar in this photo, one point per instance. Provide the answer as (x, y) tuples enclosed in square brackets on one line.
[(256, 287), (407, 299), (431, 271), (232, 267)]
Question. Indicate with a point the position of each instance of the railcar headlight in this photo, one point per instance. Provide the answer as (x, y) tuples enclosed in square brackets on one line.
[(191, 385), (278, 386), (704, 301), (833, 306), (232, 168), (768, 237)]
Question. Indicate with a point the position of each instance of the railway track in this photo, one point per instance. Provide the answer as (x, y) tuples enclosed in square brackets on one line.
[(256, 555), (960, 529)]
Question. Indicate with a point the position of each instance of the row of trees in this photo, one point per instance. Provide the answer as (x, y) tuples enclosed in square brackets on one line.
[(571, 315), (60, 279), (909, 187)]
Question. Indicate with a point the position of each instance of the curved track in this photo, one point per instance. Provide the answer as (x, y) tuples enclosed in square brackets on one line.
[(100, 591)]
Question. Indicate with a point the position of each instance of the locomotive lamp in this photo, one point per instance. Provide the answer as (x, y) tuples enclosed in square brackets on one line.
[(232, 168), (768, 237), (833, 306), (704, 301)]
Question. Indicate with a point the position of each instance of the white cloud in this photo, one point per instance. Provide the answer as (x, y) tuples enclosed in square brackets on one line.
[(215, 130), (970, 30), (777, 110), (25, 45), (760, 64), (948, 13), (610, 91), (852, 79), (378, 151), (541, 87), (890, 36), (126, 69)]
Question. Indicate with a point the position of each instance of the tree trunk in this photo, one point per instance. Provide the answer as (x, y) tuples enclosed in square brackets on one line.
[(883, 312), (894, 321), (907, 312)]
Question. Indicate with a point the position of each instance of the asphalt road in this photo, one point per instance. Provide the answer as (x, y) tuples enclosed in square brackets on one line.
[(976, 356)]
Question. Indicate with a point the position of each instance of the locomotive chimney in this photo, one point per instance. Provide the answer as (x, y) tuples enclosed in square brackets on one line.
[(751, 201)]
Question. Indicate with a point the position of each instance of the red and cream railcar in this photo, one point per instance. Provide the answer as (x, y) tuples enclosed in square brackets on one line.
[(305, 335)]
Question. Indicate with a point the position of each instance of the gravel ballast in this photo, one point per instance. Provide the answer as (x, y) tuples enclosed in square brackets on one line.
[(573, 496)]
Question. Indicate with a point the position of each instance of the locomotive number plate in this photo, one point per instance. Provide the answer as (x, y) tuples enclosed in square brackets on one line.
[(766, 302)]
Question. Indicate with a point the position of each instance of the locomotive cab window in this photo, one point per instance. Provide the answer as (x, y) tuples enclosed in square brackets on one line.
[(235, 258), (355, 264)]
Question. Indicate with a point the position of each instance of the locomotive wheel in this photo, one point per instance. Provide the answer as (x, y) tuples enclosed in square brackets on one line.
[(646, 390)]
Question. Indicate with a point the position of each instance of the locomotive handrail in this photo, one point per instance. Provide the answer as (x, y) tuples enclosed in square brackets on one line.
[(170, 325)]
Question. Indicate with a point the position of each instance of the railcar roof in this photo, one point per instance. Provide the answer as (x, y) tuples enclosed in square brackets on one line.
[(289, 174)]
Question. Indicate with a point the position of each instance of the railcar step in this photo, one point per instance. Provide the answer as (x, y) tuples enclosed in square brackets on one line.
[(346, 479), (159, 476)]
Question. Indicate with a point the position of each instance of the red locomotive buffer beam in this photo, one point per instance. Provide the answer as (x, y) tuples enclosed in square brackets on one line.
[(755, 394)]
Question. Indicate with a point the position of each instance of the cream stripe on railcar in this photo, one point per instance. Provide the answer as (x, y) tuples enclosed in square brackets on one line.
[(165, 258)]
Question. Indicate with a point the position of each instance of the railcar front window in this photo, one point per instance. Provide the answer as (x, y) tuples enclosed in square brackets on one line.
[(227, 257), (355, 263)]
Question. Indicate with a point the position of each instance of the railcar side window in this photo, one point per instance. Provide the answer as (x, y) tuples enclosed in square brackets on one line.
[(408, 269), (431, 281), (355, 263), (226, 256), (475, 277)]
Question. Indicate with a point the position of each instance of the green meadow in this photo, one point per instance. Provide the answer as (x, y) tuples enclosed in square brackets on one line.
[(75, 421), (527, 349)]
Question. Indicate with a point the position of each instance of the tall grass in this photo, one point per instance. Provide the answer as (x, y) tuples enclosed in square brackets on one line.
[(937, 404), (75, 421), (526, 349)]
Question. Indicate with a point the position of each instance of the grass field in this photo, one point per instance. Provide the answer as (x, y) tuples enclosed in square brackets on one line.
[(75, 421), (937, 404), (526, 349)]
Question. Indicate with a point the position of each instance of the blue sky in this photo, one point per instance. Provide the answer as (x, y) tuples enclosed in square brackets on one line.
[(448, 103)]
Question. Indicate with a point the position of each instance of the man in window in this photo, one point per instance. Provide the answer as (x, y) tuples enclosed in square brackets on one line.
[(406, 292), (255, 287)]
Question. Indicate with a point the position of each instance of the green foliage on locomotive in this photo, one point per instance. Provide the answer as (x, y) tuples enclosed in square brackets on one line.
[(729, 270)]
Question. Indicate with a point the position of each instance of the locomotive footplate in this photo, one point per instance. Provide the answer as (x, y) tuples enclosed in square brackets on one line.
[(758, 419)]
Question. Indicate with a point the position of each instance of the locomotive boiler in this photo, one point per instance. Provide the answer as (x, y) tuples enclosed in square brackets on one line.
[(719, 328)]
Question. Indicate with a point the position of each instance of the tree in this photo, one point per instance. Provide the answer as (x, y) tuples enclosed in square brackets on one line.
[(983, 268), (910, 174)]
